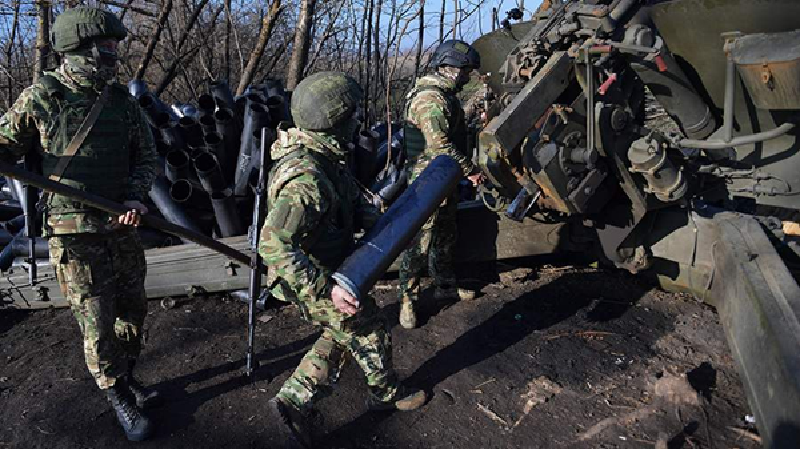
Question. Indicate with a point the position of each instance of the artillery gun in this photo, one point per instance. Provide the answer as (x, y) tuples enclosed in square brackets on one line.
[(702, 203)]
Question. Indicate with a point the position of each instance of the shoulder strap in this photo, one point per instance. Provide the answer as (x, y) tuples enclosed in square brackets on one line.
[(80, 136)]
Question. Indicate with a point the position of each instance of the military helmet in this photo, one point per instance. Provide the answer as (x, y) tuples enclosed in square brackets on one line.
[(456, 53), (77, 26), (325, 100)]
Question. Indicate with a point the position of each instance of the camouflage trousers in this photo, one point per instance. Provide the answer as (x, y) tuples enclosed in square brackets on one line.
[(363, 337), (102, 276), (433, 246)]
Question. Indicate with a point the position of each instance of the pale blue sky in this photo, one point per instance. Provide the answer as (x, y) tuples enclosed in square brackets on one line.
[(472, 26)]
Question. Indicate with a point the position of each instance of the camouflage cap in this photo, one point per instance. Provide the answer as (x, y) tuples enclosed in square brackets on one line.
[(324, 100), (77, 26)]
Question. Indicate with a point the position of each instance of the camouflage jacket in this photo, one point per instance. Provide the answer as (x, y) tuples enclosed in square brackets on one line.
[(33, 124), (434, 123), (315, 206)]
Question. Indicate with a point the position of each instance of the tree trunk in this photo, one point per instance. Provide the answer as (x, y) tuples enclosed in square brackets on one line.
[(263, 37), (302, 42), (420, 40), (368, 72), (455, 19), (42, 38), (377, 55), (360, 54), (441, 24), (226, 63), (169, 75), (151, 45), (9, 50), (329, 31)]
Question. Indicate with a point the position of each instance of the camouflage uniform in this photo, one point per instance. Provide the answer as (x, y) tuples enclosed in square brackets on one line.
[(315, 206), (434, 125), (100, 265)]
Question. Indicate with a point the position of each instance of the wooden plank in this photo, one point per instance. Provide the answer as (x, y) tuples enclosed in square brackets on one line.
[(183, 269)]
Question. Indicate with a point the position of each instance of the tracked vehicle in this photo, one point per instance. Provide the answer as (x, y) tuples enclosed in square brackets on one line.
[(695, 187)]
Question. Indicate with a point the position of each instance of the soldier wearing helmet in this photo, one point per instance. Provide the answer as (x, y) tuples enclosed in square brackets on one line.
[(90, 134), (315, 207), (434, 125)]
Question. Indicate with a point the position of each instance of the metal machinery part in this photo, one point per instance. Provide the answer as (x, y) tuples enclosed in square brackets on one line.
[(568, 133)]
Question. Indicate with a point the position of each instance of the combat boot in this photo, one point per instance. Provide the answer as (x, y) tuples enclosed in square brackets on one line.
[(408, 318), (406, 399), (145, 397), (291, 425), (137, 427)]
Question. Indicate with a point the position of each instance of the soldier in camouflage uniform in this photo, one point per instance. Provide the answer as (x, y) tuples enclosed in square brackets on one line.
[(315, 207), (434, 125), (98, 259)]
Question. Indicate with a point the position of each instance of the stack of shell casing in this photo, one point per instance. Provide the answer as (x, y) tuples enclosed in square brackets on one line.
[(208, 153)]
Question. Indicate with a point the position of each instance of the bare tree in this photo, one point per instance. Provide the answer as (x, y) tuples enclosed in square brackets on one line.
[(179, 56), (267, 25), (441, 23), (302, 42), (9, 51), (42, 38), (330, 29), (367, 72), (151, 45), (377, 55), (420, 39), (226, 62), (455, 18)]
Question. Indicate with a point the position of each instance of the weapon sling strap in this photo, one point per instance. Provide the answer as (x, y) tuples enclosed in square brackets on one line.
[(77, 140)]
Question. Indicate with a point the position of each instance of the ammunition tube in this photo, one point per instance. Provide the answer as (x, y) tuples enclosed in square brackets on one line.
[(192, 133), (256, 117), (176, 165), (15, 224), (152, 106), (214, 144), (227, 216), (222, 94), (397, 227), (9, 210), (137, 88), (206, 104), (228, 128), (273, 88), (209, 173), (276, 106), (170, 135), (5, 236), (184, 110), (181, 191), (208, 124), (171, 211), (7, 255)]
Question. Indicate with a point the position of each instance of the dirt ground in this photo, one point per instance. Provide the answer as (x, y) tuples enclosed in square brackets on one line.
[(547, 358)]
